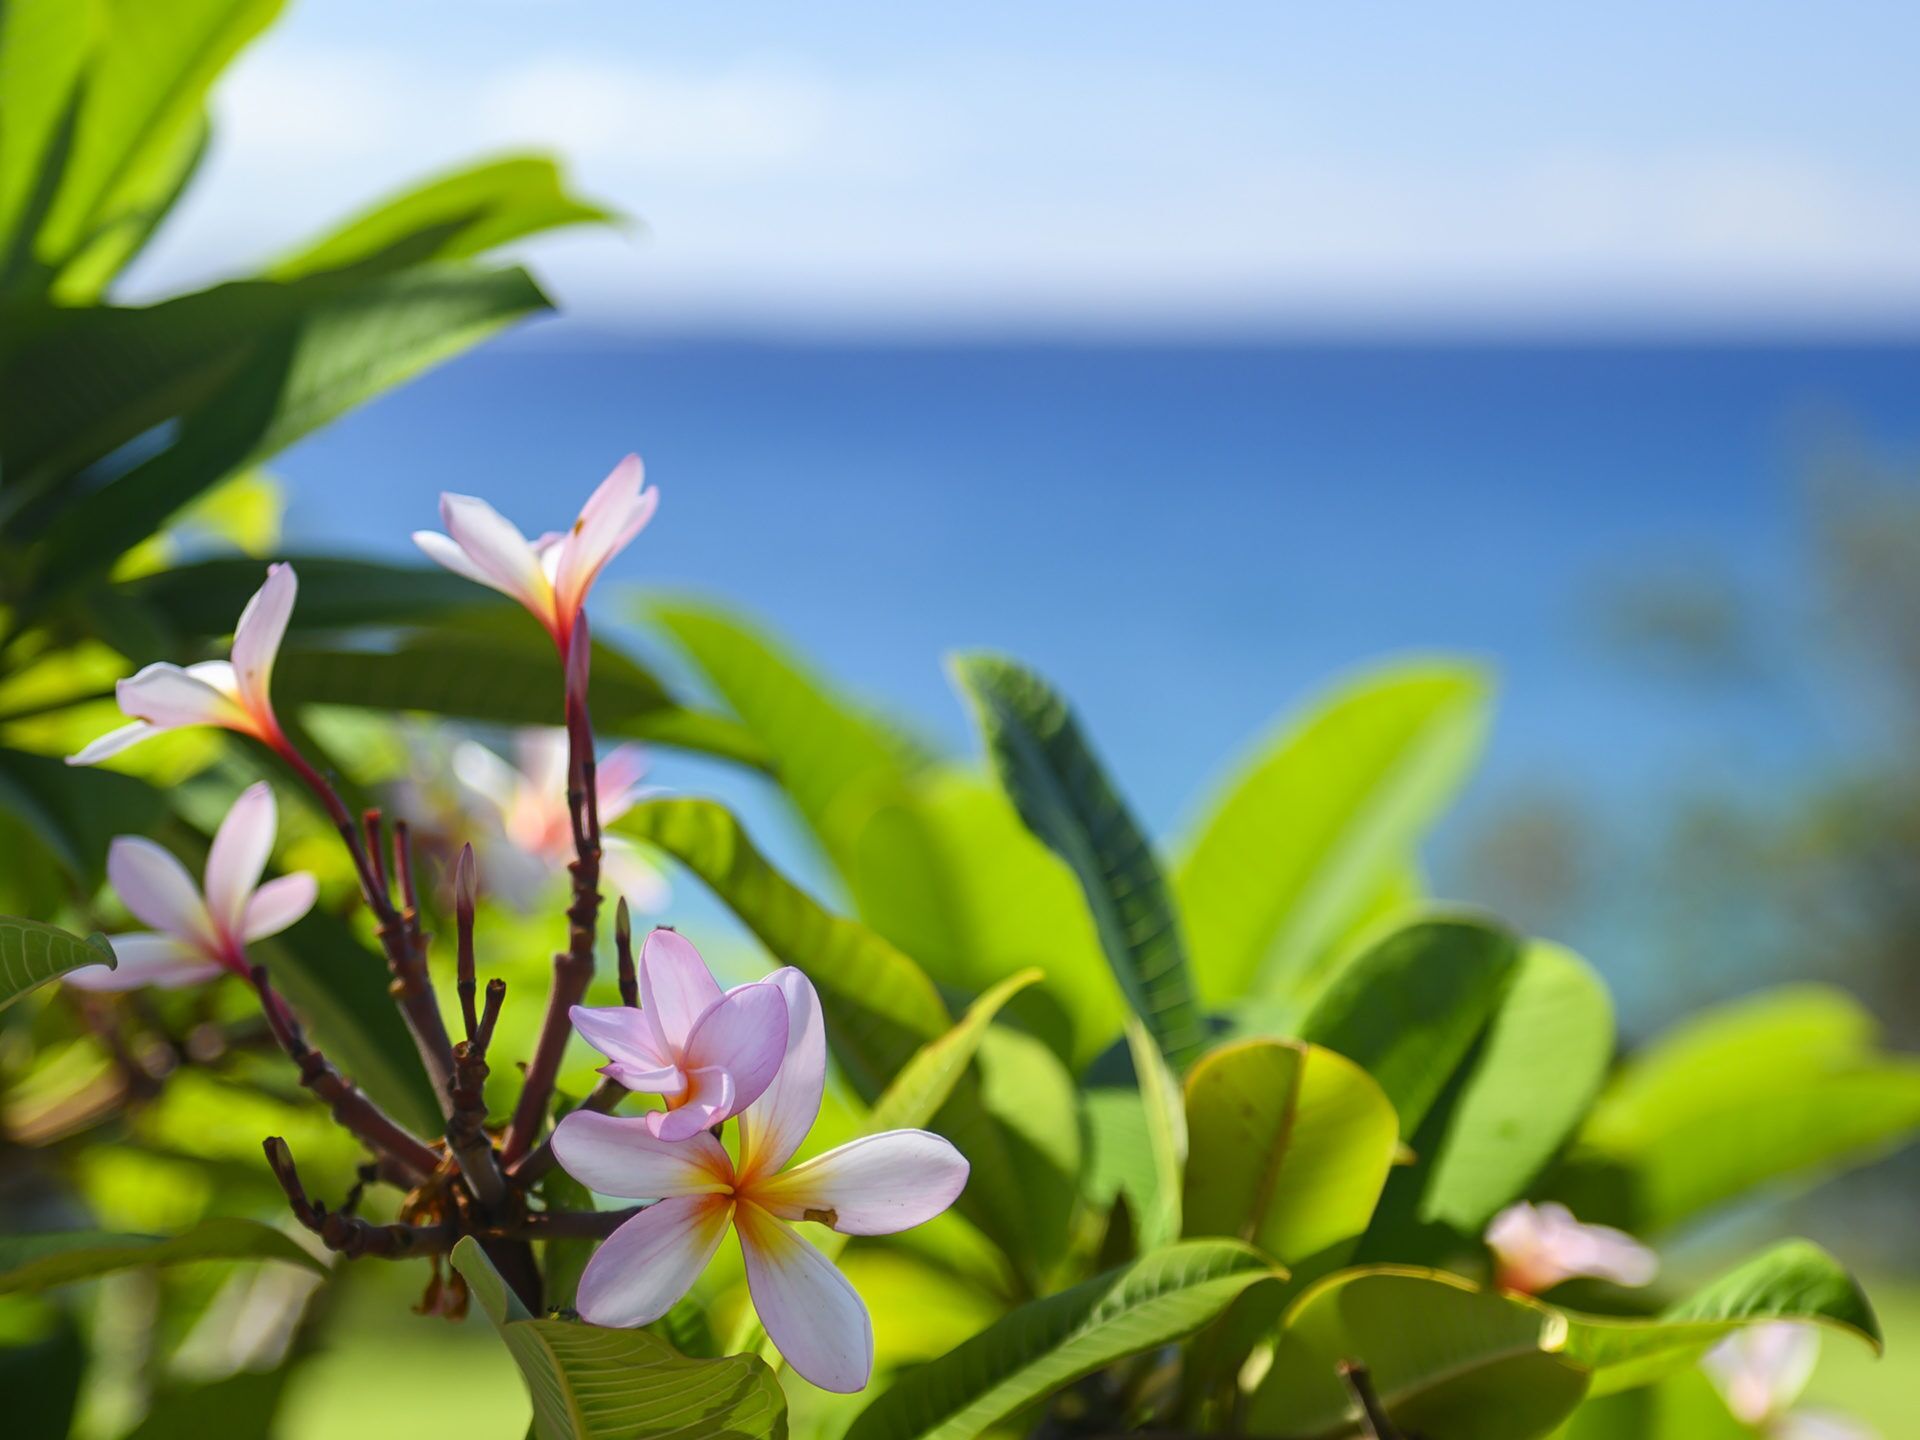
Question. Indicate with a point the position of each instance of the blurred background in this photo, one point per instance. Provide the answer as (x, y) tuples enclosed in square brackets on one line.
[(1198, 355)]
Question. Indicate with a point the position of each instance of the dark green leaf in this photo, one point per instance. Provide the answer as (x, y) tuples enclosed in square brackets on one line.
[(1047, 1344), (236, 1405), (1055, 781), (76, 812), (36, 1262), (31, 954)]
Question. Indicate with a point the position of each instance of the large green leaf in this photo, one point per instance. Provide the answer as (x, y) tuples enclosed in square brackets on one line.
[(1409, 1008), (1055, 781), (244, 1403), (1449, 1361), (245, 368), (339, 989), (1164, 1123), (451, 217), (1795, 1280), (1783, 1087), (589, 1383), (31, 954), (43, 48), (139, 109), (38, 1262), (1047, 1344), (202, 601), (1289, 1147), (1310, 830)]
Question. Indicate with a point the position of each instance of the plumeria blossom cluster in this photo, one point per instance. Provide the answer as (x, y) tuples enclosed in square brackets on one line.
[(876, 1185), (754, 1055), (1536, 1247)]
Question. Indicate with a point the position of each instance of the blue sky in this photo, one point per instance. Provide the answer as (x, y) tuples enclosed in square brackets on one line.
[(1085, 166)]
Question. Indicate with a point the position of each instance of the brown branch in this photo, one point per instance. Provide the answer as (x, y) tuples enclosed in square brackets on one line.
[(467, 1127), (566, 1224), (537, 1161), (466, 890), (1375, 1423), (376, 1129), (572, 967), (623, 947), (348, 1234)]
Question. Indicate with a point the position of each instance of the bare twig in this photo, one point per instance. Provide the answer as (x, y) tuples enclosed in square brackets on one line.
[(1375, 1423), (467, 1127), (465, 897), (376, 1129), (572, 967), (567, 1224), (623, 947), (345, 1233)]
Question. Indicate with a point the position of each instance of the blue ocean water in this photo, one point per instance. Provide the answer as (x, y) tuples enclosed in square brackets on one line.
[(1186, 538)]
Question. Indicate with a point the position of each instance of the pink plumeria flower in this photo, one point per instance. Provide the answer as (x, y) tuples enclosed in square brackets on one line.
[(708, 1055), (876, 1185), (231, 694), (199, 934), (551, 575), (532, 804), (1761, 1371), (1538, 1246)]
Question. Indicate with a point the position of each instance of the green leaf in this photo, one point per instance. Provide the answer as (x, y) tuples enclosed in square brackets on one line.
[(1289, 1147), (1447, 1359), (589, 1383), (1057, 784), (1309, 831), (452, 217), (1538, 1065), (339, 989), (1047, 1344), (75, 812), (1164, 1119), (1796, 1280), (1409, 1009), (139, 108), (43, 1359), (926, 1081), (203, 601), (241, 1404), (37, 1262), (1684, 1407), (31, 954), (43, 48), (1786, 1086)]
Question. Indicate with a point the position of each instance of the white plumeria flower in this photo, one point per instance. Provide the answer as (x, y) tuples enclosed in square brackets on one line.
[(231, 694), (199, 934), (1538, 1246), (532, 805), (1762, 1370), (551, 575), (876, 1185)]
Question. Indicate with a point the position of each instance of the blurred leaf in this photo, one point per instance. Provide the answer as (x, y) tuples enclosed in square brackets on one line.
[(927, 1080), (589, 1383), (31, 954), (1448, 1360), (453, 217), (1060, 790), (1782, 1086), (235, 1405), (339, 989), (246, 368), (1309, 831), (1795, 1280), (1409, 1009), (43, 1358), (43, 49), (1164, 1123), (1030, 1181), (203, 601), (75, 812), (138, 115), (1047, 1344), (1537, 1067), (36, 1262), (1290, 1146), (1683, 1407)]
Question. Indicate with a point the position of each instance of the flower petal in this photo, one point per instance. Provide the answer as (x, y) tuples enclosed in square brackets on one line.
[(165, 695), (710, 1098), (617, 1155), (1762, 1370), (816, 1318), (444, 551), (114, 741), (631, 874), (239, 855), (257, 637), (622, 1035), (875, 1185), (612, 516), (146, 959), (745, 1035), (158, 890), (542, 756), (772, 1128), (499, 552), (675, 987), (277, 904), (652, 1260), (617, 780)]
